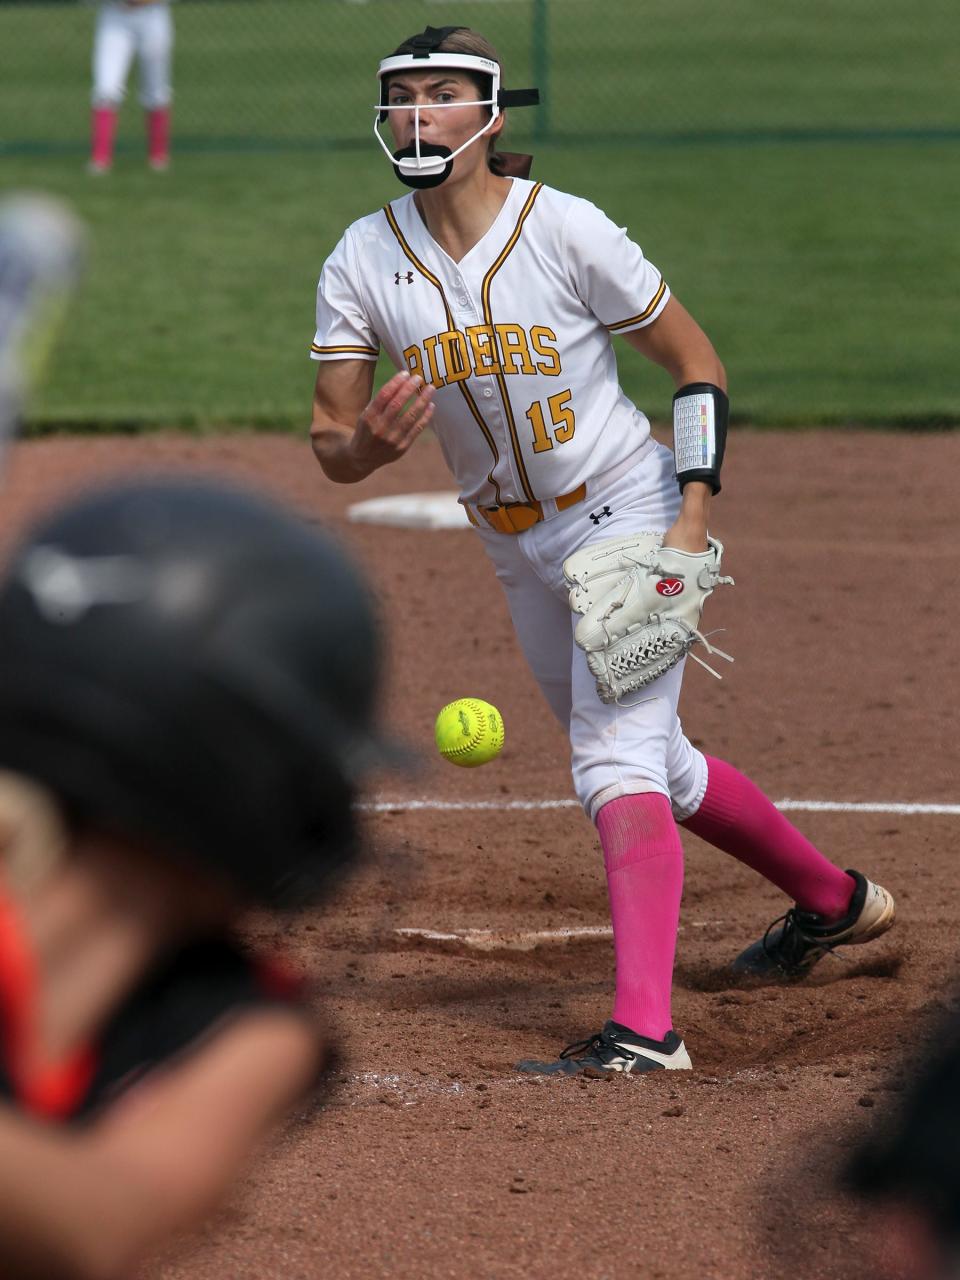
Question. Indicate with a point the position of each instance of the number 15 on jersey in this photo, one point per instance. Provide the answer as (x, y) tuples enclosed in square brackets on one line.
[(562, 422)]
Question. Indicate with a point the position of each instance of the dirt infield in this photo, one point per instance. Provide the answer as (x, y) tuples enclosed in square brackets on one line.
[(430, 1157)]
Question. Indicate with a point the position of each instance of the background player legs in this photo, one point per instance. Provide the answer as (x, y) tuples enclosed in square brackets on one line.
[(113, 50), (158, 138), (155, 53)]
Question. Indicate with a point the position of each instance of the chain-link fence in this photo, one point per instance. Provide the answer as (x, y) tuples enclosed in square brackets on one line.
[(791, 167), (300, 73)]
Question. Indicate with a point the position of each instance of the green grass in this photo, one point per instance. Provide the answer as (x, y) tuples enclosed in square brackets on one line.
[(304, 69), (793, 171)]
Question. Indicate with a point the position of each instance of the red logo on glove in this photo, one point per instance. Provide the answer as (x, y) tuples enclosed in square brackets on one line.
[(670, 586)]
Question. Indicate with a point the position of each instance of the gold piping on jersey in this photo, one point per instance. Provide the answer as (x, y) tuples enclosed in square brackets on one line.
[(361, 351), (471, 403), (644, 315), (488, 317)]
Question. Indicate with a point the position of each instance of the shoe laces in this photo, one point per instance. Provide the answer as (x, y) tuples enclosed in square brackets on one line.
[(602, 1046), (794, 942)]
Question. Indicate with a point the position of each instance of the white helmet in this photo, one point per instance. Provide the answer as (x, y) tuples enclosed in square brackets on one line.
[(427, 164)]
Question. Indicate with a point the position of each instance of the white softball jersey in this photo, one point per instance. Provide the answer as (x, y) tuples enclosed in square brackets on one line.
[(516, 337)]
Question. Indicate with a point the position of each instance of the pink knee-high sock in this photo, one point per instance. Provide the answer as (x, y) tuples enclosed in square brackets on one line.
[(737, 817), (103, 126), (644, 863), (158, 135)]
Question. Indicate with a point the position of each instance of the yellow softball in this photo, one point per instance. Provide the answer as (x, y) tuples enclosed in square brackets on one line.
[(469, 732)]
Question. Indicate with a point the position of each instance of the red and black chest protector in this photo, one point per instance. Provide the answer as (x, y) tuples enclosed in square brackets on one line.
[(187, 994)]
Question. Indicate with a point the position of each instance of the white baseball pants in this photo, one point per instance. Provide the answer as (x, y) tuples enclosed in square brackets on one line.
[(123, 32), (616, 750)]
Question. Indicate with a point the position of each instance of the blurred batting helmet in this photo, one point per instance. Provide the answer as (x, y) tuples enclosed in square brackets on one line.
[(191, 666)]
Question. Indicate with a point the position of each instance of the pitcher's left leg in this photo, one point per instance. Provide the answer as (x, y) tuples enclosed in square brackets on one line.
[(738, 818), (833, 907)]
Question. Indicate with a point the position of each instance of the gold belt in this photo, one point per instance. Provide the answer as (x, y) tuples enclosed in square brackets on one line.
[(515, 517)]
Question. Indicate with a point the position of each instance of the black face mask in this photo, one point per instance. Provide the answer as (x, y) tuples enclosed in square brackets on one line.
[(421, 181)]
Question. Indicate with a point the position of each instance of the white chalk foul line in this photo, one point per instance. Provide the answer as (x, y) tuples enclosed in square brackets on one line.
[(513, 939), (455, 806), (507, 806), (503, 939), (845, 806)]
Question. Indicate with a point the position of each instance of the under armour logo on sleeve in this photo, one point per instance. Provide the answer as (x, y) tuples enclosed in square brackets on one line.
[(596, 517), (403, 275)]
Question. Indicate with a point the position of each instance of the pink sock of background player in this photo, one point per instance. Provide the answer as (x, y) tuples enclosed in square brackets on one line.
[(158, 135), (103, 126)]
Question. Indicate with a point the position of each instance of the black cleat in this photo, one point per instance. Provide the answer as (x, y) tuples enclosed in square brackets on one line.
[(615, 1048), (791, 951)]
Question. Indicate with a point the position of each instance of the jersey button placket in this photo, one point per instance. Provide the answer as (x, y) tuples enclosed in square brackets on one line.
[(467, 309), (461, 296)]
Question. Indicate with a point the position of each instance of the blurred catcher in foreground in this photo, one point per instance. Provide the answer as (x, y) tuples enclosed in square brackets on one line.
[(907, 1169), (182, 728), (187, 683)]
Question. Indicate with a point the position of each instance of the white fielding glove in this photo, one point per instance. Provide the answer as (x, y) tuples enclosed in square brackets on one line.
[(641, 604)]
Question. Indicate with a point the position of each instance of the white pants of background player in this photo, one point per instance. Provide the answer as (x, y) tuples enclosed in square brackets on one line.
[(616, 751), (123, 32)]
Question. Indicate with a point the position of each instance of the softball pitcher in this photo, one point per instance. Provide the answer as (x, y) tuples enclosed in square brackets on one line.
[(126, 29), (497, 298)]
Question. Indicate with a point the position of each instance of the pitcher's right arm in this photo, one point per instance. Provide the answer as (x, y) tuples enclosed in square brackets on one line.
[(353, 434)]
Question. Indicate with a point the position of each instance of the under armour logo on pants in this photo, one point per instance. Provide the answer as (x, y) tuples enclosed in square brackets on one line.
[(596, 517)]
